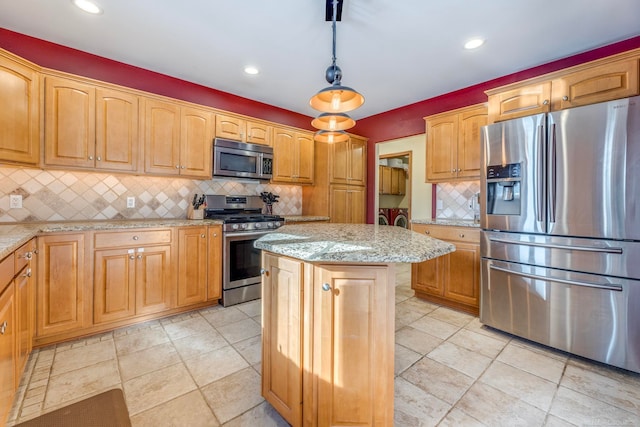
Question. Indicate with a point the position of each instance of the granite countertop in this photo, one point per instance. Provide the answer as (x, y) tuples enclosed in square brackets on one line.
[(305, 218), (357, 243), (451, 222), (12, 236)]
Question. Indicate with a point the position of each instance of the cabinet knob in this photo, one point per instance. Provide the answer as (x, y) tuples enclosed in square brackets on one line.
[(27, 273), (427, 232), (326, 287), (98, 158), (132, 257), (35, 252), (90, 157), (182, 167), (453, 170), (461, 234), (177, 166), (215, 234), (264, 272), (136, 237), (565, 98), (203, 236), (139, 257), (3, 328), (459, 170), (545, 102)]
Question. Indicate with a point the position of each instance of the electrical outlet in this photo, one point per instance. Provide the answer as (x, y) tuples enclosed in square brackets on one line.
[(15, 201), (439, 204), (131, 202)]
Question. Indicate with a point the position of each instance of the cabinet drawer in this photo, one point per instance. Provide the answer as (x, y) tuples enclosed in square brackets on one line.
[(131, 238), (449, 233), (23, 255), (7, 271)]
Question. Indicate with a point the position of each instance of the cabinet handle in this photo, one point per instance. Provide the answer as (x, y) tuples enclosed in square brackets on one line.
[(182, 167), (453, 170), (26, 255), (35, 252), (264, 272), (90, 157), (203, 236), (545, 102), (139, 257), (136, 237), (3, 328), (177, 166), (461, 235), (326, 287), (565, 98), (459, 170), (27, 273), (131, 257), (215, 234), (98, 158), (427, 232)]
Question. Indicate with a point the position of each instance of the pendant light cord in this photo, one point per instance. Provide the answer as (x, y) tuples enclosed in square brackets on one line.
[(336, 74)]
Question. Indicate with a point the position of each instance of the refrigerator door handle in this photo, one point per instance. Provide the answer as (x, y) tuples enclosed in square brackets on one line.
[(540, 177), (552, 175), (611, 250), (602, 286)]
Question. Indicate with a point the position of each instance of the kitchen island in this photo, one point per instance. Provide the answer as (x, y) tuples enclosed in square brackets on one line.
[(328, 311)]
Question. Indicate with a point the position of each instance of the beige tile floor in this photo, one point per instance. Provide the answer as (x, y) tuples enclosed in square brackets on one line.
[(203, 369)]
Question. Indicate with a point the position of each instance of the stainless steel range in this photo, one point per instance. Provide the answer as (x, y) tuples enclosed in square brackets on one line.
[(244, 223)]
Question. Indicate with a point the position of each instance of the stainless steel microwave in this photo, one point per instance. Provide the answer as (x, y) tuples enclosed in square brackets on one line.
[(233, 159)]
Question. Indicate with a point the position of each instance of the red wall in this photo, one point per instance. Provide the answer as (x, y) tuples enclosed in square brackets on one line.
[(393, 124)]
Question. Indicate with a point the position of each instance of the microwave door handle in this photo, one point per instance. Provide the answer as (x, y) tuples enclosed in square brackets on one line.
[(540, 176), (552, 175)]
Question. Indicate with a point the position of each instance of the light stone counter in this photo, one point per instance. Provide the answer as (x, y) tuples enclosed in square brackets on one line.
[(355, 243), (450, 222), (12, 236)]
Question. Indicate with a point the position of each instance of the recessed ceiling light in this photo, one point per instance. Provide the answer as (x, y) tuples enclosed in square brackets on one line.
[(473, 43), (88, 6), (251, 70)]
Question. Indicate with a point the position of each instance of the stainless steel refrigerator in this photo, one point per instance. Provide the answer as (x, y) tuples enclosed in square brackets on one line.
[(560, 244)]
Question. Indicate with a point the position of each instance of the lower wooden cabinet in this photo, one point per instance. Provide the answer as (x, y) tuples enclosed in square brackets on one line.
[(328, 342), (7, 349), (214, 263), (453, 279), (62, 301), (192, 265)]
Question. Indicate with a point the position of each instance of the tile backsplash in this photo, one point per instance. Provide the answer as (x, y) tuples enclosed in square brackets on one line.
[(60, 195), (454, 199)]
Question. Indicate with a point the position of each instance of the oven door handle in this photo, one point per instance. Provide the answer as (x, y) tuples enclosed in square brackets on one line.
[(603, 286), (244, 235)]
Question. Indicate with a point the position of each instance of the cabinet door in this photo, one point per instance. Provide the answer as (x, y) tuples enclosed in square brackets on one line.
[(162, 138), (428, 276), (214, 263), (395, 180), (25, 302), (358, 161), (19, 119), (304, 158), (153, 279), (385, 174), (117, 142), (258, 133), (339, 162), (282, 335), (442, 140), (353, 308), (402, 182), (192, 265), (520, 102), (597, 84), (196, 142), (468, 158), (357, 205), (7, 351), (339, 204), (229, 127), (463, 281), (69, 123), (114, 286), (284, 153), (60, 294)]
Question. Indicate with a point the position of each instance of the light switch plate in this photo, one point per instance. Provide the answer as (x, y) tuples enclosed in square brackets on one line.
[(15, 201), (131, 202)]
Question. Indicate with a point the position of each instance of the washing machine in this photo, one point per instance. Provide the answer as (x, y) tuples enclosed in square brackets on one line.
[(399, 217), (384, 216)]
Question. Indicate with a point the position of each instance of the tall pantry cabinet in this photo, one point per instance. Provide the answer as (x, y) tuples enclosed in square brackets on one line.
[(339, 190)]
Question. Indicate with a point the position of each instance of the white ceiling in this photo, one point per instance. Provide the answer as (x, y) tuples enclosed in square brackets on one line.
[(394, 52)]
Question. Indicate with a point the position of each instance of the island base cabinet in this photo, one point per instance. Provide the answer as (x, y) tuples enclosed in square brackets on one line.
[(328, 342)]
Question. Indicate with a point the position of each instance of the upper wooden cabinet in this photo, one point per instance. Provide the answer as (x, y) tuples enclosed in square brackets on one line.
[(348, 162), (347, 204), (600, 81), (19, 117), (89, 126), (392, 181), (241, 129), (453, 144), (178, 140), (293, 160)]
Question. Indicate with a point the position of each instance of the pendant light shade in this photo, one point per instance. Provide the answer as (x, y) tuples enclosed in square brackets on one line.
[(336, 99), (331, 121), (331, 137)]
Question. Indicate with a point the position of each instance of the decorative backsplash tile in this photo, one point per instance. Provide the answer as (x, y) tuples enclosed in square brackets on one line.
[(57, 195), (454, 199)]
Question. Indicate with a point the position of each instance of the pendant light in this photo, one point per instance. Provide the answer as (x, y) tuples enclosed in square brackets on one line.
[(334, 100)]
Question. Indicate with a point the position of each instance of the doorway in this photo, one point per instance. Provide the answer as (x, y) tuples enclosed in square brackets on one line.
[(393, 189)]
